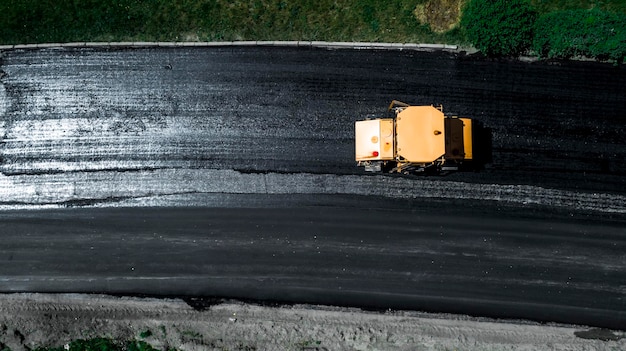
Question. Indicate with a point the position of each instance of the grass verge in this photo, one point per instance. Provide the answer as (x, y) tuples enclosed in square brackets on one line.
[(408, 21), (38, 21)]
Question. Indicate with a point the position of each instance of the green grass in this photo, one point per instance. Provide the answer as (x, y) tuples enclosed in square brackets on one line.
[(545, 6), (45, 21), (37, 21)]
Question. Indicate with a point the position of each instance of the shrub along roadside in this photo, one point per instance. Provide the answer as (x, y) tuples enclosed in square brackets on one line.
[(499, 27), (590, 33), (511, 28)]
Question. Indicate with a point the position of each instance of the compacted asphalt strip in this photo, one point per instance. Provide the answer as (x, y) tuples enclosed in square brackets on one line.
[(382, 257), (228, 171)]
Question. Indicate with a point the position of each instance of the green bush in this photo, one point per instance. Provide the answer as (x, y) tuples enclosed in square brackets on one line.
[(145, 334), (139, 346), (592, 33), (499, 27)]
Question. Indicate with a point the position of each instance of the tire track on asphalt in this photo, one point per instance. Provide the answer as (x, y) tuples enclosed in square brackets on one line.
[(292, 110), (155, 188)]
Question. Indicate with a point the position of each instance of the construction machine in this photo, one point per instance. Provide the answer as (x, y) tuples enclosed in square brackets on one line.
[(416, 139)]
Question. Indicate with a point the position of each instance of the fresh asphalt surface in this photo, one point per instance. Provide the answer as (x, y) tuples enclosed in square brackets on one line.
[(103, 151)]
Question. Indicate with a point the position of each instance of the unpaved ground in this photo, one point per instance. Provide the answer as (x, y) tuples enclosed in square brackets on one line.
[(32, 320)]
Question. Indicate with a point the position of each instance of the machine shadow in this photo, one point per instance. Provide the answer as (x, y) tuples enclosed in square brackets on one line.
[(482, 137)]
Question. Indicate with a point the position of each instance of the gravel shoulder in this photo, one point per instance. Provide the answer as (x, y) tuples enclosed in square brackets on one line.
[(28, 321)]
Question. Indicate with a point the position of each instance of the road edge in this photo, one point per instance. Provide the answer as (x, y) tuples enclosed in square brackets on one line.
[(305, 44)]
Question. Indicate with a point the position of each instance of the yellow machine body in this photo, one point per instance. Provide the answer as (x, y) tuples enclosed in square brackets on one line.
[(374, 140), (420, 134), (419, 138)]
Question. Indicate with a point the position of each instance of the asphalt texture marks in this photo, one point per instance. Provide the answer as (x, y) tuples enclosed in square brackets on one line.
[(267, 110), (255, 147), (502, 267)]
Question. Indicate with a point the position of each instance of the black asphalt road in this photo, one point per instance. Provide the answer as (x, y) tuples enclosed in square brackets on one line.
[(259, 141), (379, 255)]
